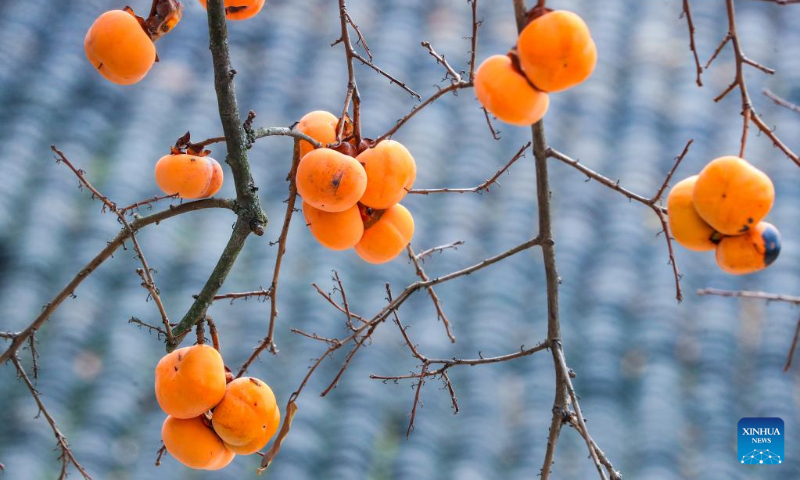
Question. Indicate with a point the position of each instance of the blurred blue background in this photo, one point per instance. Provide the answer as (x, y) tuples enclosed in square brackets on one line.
[(662, 385)]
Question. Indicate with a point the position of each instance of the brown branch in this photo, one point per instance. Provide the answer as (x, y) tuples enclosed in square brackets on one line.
[(687, 12), (495, 133), (473, 50), (66, 454), (352, 94), (455, 77), (483, 186), (652, 202), (161, 452), (386, 74), (780, 101), (792, 348), (343, 309), (269, 340), (434, 298), (152, 328), (260, 293), (749, 113)]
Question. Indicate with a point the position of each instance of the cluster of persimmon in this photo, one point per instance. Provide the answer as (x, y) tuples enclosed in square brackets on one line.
[(212, 417), (554, 52), (722, 208), (121, 45), (351, 193)]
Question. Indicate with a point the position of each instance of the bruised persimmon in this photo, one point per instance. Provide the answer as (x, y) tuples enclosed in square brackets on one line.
[(319, 125), (190, 381), (385, 238), (190, 176), (119, 48), (686, 226), (335, 230), (245, 419), (330, 181), (506, 93), (732, 195), (194, 444), (240, 9), (391, 171), (750, 252), (556, 51)]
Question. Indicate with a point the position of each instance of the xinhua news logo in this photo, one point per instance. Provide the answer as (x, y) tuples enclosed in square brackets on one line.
[(760, 441)]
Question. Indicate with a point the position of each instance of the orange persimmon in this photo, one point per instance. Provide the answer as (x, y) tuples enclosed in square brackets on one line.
[(119, 48), (190, 176), (194, 444), (330, 181), (319, 125), (686, 226), (245, 419), (335, 230), (556, 51), (755, 250), (391, 171), (384, 239), (506, 93), (240, 9), (190, 381), (732, 195)]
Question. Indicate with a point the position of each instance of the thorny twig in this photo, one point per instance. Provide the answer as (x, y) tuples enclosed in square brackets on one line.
[(687, 12)]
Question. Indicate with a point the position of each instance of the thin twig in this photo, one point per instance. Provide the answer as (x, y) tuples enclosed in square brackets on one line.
[(434, 298), (483, 186), (687, 12), (771, 297), (780, 101), (441, 248), (66, 454)]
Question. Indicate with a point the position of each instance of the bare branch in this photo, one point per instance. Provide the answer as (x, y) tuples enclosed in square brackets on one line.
[(780, 101), (771, 297), (688, 14), (441, 248), (66, 454), (434, 298), (483, 186)]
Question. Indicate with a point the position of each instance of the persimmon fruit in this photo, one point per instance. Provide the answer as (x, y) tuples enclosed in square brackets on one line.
[(504, 91), (119, 48), (391, 171), (385, 238), (750, 252), (334, 230), (190, 381), (240, 9), (319, 125), (330, 181), (687, 227), (190, 176), (732, 195), (556, 51), (245, 419), (194, 444)]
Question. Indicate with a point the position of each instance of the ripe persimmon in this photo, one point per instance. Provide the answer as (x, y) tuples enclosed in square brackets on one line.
[(190, 381), (190, 176), (750, 252), (506, 93), (556, 51), (194, 444), (245, 419), (216, 179), (319, 125), (335, 230), (119, 48), (385, 238), (391, 171), (240, 9), (686, 226), (732, 195), (330, 181)]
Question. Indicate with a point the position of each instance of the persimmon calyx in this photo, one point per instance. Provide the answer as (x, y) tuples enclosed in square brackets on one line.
[(164, 16)]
